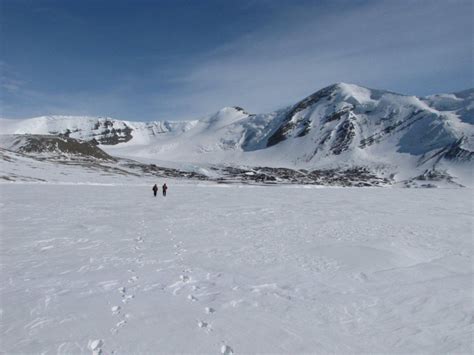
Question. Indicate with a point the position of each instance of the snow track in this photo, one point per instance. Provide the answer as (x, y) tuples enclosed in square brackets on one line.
[(235, 269)]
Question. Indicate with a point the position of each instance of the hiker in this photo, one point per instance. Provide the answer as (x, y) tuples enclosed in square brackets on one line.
[(164, 189), (155, 190)]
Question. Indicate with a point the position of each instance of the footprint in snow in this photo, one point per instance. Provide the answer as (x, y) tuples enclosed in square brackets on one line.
[(114, 330), (96, 346), (133, 279), (202, 324), (361, 276), (127, 298), (121, 323), (226, 350), (209, 310), (192, 298), (184, 278), (115, 309)]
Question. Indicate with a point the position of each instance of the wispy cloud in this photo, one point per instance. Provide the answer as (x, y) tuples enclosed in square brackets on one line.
[(410, 46), (393, 45)]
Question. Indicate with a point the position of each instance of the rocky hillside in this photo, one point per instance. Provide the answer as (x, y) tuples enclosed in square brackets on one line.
[(50, 146)]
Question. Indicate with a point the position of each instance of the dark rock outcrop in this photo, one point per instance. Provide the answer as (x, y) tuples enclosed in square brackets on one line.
[(60, 146), (287, 124)]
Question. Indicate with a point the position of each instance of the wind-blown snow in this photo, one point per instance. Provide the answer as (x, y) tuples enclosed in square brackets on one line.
[(235, 269)]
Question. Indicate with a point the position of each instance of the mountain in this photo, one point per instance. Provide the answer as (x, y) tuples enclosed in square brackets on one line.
[(343, 126)]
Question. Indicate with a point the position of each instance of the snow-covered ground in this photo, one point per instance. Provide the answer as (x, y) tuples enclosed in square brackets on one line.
[(243, 269)]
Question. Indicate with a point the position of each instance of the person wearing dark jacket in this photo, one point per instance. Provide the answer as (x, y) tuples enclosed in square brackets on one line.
[(155, 190), (164, 187)]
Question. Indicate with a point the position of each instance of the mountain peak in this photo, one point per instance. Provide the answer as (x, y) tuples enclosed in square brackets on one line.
[(232, 109), (225, 116), (341, 86), (238, 108)]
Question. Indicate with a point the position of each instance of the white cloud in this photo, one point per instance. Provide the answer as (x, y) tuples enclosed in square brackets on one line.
[(390, 45), (414, 47)]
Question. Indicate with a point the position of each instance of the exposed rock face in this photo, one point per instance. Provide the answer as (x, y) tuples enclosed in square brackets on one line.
[(457, 152), (344, 135), (107, 134), (59, 146), (288, 122), (397, 126)]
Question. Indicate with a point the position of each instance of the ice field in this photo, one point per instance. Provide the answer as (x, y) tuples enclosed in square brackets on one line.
[(235, 269)]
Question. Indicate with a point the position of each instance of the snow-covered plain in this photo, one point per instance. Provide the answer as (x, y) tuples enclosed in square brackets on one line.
[(242, 269)]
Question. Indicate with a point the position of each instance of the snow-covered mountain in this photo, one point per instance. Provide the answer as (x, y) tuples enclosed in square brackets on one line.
[(340, 126)]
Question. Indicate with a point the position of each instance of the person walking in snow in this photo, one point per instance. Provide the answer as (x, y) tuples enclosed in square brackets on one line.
[(155, 190), (164, 187)]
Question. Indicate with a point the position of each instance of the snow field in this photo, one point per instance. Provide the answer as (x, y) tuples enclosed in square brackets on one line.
[(235, 269)]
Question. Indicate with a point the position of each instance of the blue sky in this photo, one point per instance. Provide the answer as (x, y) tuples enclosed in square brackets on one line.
[(156, 60)]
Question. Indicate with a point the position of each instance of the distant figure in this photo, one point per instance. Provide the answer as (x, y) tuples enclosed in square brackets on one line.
[(155, 190), (164, 189)]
